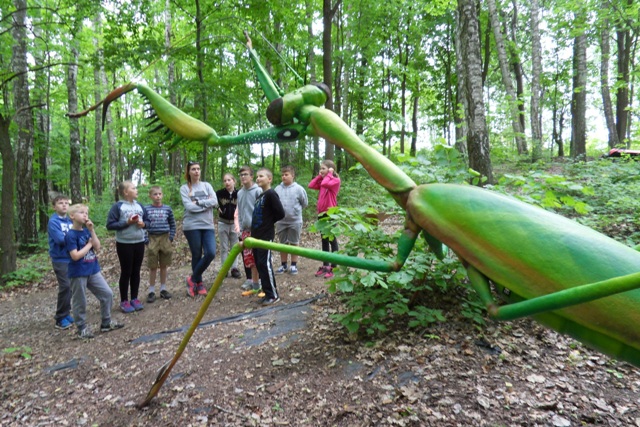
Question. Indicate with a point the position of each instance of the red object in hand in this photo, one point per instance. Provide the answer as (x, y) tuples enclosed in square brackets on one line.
[(135, 218)]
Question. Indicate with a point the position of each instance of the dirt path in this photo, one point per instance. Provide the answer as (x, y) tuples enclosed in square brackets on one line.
[(291, 365)]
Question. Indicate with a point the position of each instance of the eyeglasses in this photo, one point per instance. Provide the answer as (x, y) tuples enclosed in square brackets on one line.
[(244, 174), (191, 163)]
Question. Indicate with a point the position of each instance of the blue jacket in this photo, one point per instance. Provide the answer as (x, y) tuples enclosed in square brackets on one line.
[(58, 228)]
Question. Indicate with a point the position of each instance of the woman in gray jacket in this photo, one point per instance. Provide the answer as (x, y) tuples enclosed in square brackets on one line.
[(199, 199)]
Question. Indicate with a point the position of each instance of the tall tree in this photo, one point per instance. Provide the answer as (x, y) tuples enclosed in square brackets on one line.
[(579, 98), (605, 54), (27, 230), (74, 129), (8, 247), (536, 71), (512, 97), (477, 134), (328, 12)]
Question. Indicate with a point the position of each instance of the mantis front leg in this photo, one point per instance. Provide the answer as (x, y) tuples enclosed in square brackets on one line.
[(405, 245)]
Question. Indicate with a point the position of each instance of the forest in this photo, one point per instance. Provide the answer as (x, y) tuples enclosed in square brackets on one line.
[(522, 84)]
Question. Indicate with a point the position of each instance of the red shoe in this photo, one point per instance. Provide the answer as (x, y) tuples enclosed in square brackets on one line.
[(329, 273), (321, 271), (201, 289), (191, 287)]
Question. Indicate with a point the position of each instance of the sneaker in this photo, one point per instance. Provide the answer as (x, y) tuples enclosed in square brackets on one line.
[(69, 318), (329, 273), (321, 271), (136, 304), (261, 294), (191, 287), (201, 289), (63, 324), (85, 334), (247, 285), (151, 297), (282, 269), (269, 301), (126, 307), (111, 326), (235, 273), (293, 270), (255, 289), (164, 294)]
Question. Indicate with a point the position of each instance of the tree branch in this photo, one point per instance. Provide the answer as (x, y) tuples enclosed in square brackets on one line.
[(6, 81)]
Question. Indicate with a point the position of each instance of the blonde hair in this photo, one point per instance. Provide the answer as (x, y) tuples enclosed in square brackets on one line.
[(123, 186), (267, 171), (73, 209), (154, 188)]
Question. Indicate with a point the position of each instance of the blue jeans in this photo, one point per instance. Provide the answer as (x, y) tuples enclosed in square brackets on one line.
[(202, 244)]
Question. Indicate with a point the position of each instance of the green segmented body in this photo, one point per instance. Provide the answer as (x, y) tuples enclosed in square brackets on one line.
[(533, 252)]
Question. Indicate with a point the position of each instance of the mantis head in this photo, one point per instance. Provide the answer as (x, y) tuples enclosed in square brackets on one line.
[(283, 110)]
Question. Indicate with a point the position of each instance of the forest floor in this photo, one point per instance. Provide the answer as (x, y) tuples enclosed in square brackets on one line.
[(291, 365)]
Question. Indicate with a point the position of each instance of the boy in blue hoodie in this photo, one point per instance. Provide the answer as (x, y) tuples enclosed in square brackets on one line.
[(59, 224)]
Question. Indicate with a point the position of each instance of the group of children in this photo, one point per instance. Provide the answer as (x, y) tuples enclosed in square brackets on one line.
[(255, 209)]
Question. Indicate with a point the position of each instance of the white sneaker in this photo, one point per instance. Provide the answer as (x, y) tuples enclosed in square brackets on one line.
[(293, 270), (281, 270)]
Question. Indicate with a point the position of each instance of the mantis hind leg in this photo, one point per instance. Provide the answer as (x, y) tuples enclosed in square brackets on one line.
[(551, 302)]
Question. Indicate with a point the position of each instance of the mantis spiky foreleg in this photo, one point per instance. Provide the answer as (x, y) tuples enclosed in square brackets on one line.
[(405, 245)]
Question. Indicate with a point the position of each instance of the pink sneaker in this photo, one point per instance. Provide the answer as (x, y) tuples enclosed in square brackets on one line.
[(191, 287), (126, 307), (321, 271), (201, 289), (329, 273)]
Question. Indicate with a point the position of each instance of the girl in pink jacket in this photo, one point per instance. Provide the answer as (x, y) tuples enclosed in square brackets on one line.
[(328, 183)]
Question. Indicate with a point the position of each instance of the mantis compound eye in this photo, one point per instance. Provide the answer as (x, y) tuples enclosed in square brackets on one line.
[(274, 112), (324, 88)]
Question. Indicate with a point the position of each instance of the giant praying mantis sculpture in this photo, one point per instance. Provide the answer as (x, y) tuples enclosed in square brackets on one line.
[(566, 276)]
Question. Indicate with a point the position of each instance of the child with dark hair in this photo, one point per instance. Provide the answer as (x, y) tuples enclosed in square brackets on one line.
[(59, 225), (228, 203), (247, 195), (267, 211)]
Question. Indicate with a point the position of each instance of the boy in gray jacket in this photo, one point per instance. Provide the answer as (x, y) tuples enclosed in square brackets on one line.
[(247, 196), (294, 199)]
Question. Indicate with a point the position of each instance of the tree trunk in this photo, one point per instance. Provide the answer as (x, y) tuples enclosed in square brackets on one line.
[(201, 98), (328, 12), (477, 134), (536, 71), (74, 131), (624, 41), (512, 97), (111, 140), (414, 123), (174, 155), (8, 247), (461, 100), (27, 229), (604, 84), (579, 99), (97, 94), (312, 76)]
